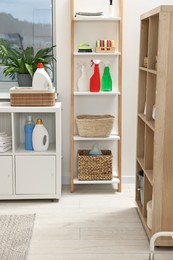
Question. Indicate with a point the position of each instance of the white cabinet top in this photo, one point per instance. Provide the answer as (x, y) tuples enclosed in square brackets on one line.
[(6, 107)]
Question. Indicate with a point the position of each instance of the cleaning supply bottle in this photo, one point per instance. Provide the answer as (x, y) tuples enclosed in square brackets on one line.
[(111, 9), (95, 151), (40, 137), (106, 83), (41, 79), (28, 128), (83, 81), (95, 78)]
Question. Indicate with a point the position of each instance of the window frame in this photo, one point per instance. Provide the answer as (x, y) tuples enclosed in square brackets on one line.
[(6, 85)]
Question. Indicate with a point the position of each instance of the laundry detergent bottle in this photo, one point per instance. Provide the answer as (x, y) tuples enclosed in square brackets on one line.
[(40, 137), (106, 82), (41, 79), (95, 78), (28, 128)]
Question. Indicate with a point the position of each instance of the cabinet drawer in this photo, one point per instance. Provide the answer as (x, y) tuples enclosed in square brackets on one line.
[(6, 175), (35, 174)]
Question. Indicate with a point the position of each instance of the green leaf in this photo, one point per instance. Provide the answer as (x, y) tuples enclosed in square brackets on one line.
[(18, 60)]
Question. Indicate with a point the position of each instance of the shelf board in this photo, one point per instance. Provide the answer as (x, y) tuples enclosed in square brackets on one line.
[(115, 179), (9, 152), (112, 137), (141, 162), (148, 70), (96, 19), (140, 207), (101, 93), (142, 116), (151, 124), (20, 150), (149, 175), (143, 219), (116, 53)]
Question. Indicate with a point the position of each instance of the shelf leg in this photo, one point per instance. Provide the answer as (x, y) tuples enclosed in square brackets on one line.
[(151, 256)]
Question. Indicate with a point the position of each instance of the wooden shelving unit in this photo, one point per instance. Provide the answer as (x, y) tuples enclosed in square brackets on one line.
[(90, 29), (154, 136)]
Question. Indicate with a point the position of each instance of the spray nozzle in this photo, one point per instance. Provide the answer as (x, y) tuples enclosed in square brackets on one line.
[(107, 63), (111, 2), (96, 62)]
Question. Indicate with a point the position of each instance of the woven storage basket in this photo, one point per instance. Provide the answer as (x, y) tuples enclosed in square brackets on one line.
[(94, 125), (27, 97), (94, 167)]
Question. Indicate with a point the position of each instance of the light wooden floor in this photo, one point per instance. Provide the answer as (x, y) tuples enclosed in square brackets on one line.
[(93, 223)]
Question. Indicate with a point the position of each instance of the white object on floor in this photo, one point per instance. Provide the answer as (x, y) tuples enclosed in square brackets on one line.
[(154, 237)]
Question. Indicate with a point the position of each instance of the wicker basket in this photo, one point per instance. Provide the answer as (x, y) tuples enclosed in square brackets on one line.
[(94, 167), (20, 96), (94, 125)]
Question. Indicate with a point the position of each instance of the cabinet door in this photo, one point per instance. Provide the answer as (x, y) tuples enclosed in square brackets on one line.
[(6, 175), (35, 174)]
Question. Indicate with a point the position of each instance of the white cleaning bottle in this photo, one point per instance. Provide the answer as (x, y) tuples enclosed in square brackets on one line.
[(83, 81), (40, 137), (41, 79), (111, 9)]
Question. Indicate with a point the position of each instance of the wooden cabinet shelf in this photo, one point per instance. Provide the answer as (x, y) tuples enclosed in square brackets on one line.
[(149, 175), (148, 70), (154, 122)]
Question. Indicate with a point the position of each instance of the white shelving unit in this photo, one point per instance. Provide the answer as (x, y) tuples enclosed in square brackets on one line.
[(30, 174), (88, 30)]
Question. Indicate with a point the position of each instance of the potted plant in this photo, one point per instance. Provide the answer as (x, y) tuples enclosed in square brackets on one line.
[(23, 62)]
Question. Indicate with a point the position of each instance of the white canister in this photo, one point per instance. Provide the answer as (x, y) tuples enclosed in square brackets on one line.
[(40, 137)]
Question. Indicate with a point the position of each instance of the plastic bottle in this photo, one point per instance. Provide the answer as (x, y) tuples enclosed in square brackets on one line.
[(95, 150), (111, 9), (41, 79), (106, 83), (83, 81), (40, 137), (29, 126), (95, 78)]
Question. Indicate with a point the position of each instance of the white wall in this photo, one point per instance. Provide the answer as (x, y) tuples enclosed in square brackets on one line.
[(131, 21), (131, 32)]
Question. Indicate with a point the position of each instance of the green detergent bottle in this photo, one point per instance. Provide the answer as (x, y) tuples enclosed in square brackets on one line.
[(106, 83)]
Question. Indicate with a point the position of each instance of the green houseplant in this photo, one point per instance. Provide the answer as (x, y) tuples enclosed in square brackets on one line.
[(19, 61)]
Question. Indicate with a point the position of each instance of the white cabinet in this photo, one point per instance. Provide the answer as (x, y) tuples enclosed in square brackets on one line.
[(6, 175), (35, 174), (89, 29), (30, 174)]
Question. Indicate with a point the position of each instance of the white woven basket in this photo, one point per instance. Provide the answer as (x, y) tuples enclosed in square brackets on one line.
[(94, 125)]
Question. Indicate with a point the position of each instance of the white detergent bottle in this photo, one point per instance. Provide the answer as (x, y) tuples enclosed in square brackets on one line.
[(41, 79), (83, 81), (40, 137)]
